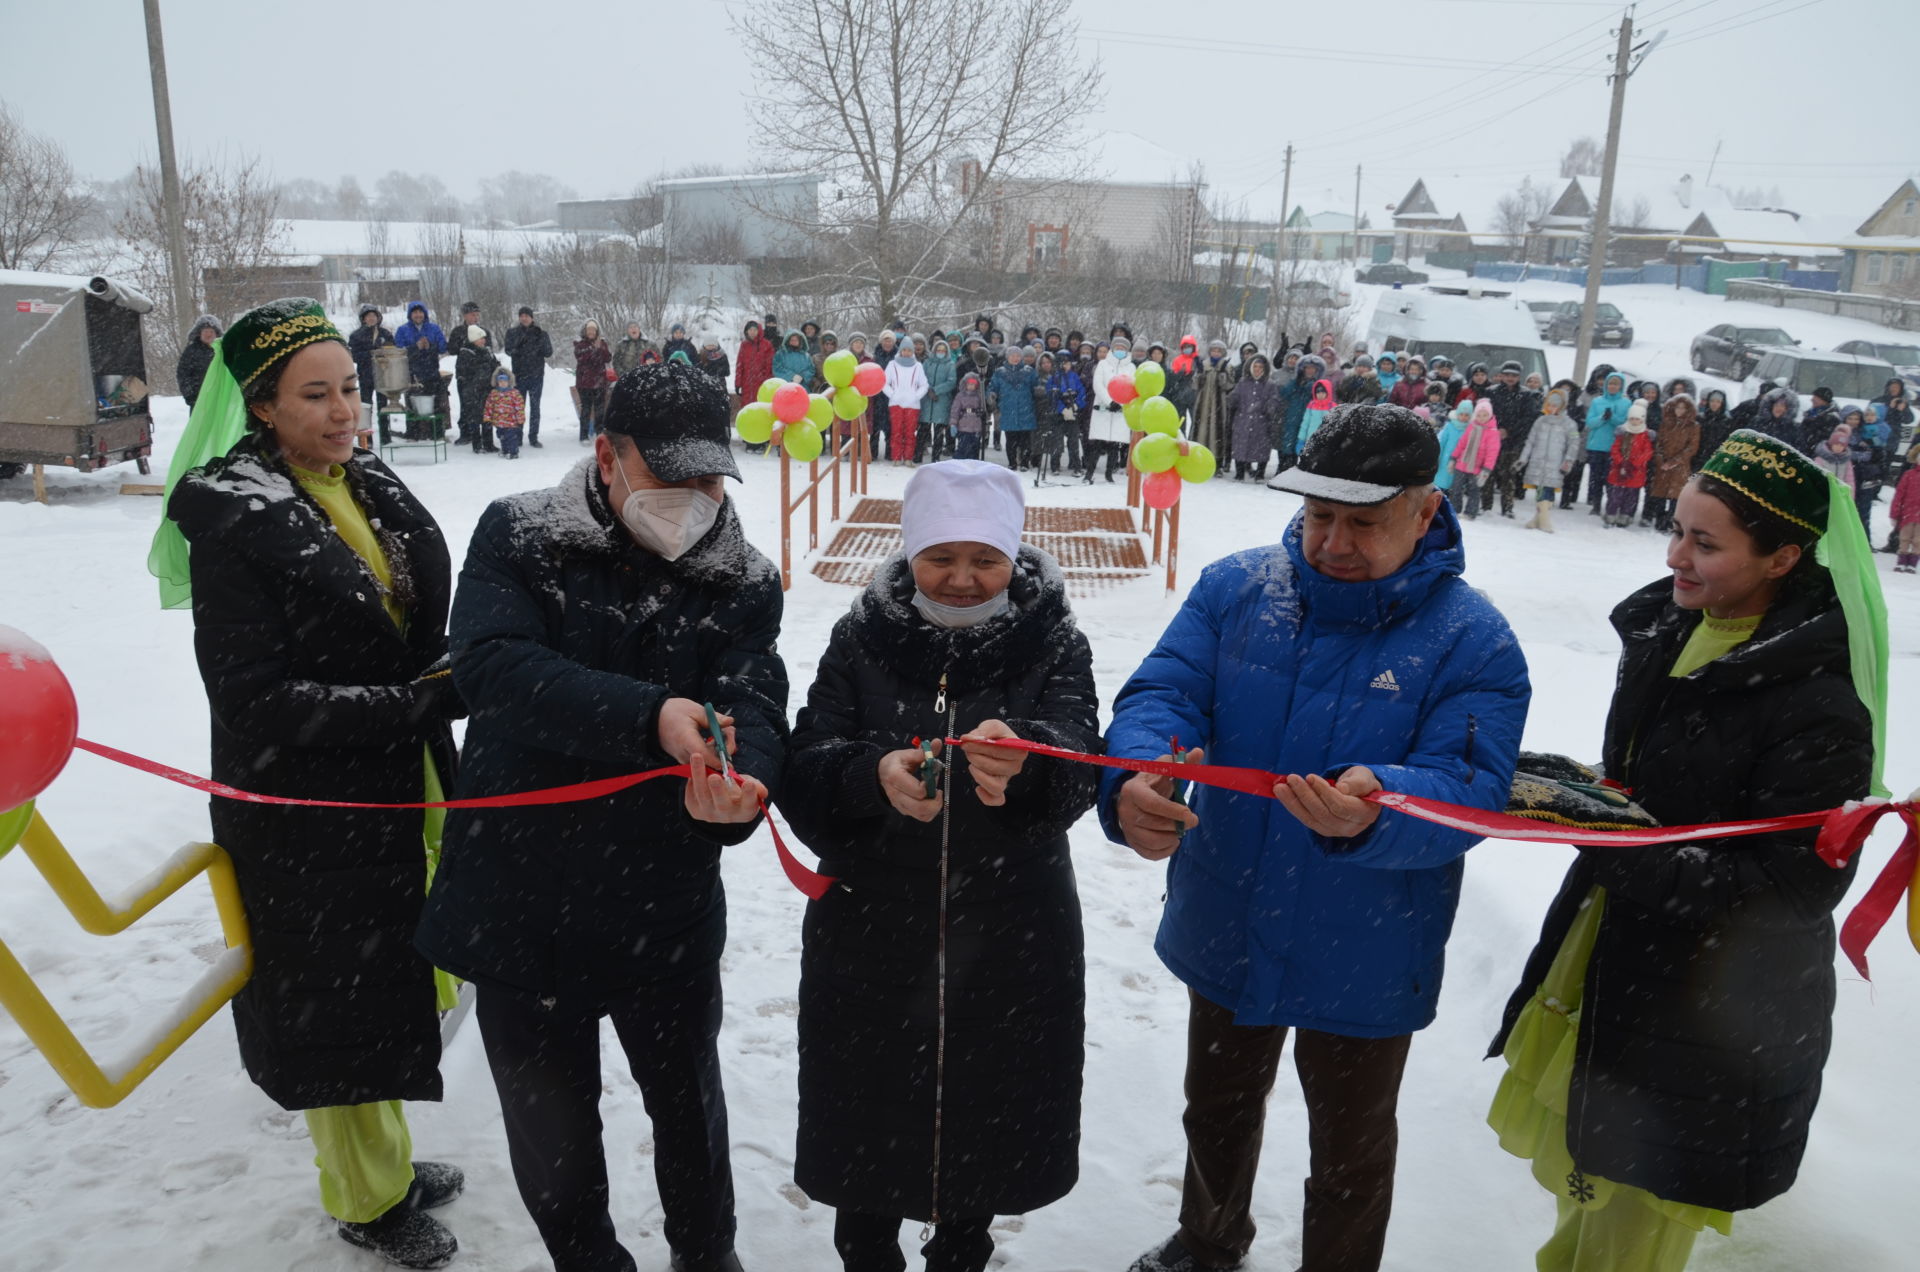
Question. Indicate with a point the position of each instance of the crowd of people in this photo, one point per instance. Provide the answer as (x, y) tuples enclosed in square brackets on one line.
[(1044, 403), (620, 621)]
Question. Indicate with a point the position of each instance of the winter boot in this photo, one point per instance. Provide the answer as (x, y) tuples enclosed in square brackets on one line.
[(435, 1184), (1539, 511), (405, 1237), (1543, 515), (1171, 1257), (728, 1262)]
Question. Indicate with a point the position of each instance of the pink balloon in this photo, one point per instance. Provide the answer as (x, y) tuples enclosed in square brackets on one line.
[(870, 379), (790, 403), (1122, 389), (1161, 490)]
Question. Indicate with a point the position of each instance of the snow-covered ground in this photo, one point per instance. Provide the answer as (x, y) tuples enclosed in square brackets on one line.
[(197, 1170)]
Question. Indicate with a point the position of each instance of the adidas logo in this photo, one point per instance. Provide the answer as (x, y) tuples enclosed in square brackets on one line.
[(1385, 680)]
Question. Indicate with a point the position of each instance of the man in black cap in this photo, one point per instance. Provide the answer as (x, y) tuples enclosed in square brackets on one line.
[(469, 317), (528, 346), (1514, 410), (1351, 652), (592, 624)]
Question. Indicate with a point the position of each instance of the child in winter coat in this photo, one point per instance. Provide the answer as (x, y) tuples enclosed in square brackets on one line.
[(1836, 453), (1316, 414), (1548, 457), (1457, 420), (1628, 462), (505, 413), (1475, 454), (1906, 515), (906, 386), (969, 416)]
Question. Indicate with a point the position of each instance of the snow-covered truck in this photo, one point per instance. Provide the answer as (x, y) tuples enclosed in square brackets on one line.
[(73, 373)]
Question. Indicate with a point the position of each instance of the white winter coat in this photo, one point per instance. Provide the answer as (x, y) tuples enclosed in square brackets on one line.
[(906, 384), (1108, 425), (1553, 442)]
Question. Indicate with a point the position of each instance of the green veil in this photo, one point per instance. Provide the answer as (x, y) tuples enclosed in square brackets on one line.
[(218, 421), (1848, 557)]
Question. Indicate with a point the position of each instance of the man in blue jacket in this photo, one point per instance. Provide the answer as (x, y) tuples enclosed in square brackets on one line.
[(1351, 652), (592, 623)]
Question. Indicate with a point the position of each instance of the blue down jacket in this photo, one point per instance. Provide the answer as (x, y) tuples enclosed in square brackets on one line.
[(1272, 665)]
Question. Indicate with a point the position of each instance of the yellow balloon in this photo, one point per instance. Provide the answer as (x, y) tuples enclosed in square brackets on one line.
[(755, 422), (1150, 378), (1157, 415), (820, 410), (1155, 453), (839, 368), (849, 404), (802, 442), (1197, 465), (769, 387)]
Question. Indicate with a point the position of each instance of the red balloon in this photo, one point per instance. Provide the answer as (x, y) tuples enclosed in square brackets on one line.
[(1161, 490), (870, 379), (38, 719), (790, 403), (1122, 389)]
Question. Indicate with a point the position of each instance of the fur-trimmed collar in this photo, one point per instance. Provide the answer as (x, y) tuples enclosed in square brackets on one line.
[(893, 634)]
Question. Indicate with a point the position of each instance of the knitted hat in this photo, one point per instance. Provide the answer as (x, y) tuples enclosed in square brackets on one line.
[(963, 501), (1636, 421), (261, 337), (475, 333)]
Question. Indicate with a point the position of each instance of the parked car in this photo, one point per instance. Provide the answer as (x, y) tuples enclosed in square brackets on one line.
[(1468, 329), (1610, 326), (1734, 350), (1542, 311), (1855, 380), (1390, 272), (1904, 357)]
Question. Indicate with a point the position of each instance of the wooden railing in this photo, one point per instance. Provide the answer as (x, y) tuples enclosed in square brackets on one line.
[(1161, 525), (855, 451)]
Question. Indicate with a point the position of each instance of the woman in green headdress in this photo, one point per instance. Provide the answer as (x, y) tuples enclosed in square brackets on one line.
[(319, 588), (1666, 1042)]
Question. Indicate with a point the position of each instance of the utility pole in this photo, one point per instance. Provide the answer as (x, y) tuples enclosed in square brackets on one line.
[(1356, 214), (1280, 250), (169, 173), (1597, 254)]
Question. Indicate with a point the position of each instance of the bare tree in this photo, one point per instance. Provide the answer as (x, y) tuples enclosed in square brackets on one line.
[(1632, 216), (405, 196), (1516, 211), (917, 111), (519, 198), (1582, 158), (231, 210), (43, 208)]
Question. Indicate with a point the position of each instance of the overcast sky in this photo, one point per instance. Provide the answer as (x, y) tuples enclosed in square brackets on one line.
[(1471, 93)]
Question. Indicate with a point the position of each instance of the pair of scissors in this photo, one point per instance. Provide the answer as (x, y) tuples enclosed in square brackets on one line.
[(719, 736)]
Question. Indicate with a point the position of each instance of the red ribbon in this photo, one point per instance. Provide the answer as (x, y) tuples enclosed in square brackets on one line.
[(815, 885), (1842, 830)]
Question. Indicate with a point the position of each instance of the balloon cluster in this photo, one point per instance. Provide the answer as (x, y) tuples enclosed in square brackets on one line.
[(1162, 454), (798, 420), (38, 723)]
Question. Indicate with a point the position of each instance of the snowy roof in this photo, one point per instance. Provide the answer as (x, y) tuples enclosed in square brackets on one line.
[(403, 238), (743, 178), (1747, 229)]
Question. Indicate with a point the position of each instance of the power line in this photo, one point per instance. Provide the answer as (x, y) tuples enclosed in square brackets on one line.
[(1730, 25)]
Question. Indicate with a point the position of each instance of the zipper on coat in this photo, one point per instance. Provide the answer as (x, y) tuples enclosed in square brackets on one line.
[(942, 705)]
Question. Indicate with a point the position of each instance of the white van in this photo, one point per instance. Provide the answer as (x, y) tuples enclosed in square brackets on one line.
[(1464, 327), (1854, 379)]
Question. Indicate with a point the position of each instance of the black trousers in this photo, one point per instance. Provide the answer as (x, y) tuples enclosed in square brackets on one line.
[(1352, 1090), (530, 387), (871, 1243), (545, 1055)]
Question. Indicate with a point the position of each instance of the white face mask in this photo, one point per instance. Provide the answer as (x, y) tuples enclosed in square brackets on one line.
[(668, 522), (959, 615)]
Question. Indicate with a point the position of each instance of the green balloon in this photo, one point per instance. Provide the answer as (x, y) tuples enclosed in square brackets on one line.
[(755, 423), (1150, 378), (1155, 453), (820, 410), (839, 368), (849, 404), (1197, 465), (1130, 412), (769, 387), (802, 442), (13, 824), (1157, 415)]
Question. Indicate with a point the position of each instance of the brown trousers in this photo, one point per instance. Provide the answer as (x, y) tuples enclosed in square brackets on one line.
[(1351, 1087)]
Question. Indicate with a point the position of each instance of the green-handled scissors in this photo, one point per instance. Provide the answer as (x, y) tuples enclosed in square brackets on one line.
[(719, 736)]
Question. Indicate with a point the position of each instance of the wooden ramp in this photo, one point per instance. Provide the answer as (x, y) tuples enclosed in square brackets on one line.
[(1096, 547)]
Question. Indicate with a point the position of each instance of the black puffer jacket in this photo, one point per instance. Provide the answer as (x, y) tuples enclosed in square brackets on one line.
[(1014, 990), (190, 372), (363, 340), (1515, 408), (1708, 1005), (567, 637), (315, 693)]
